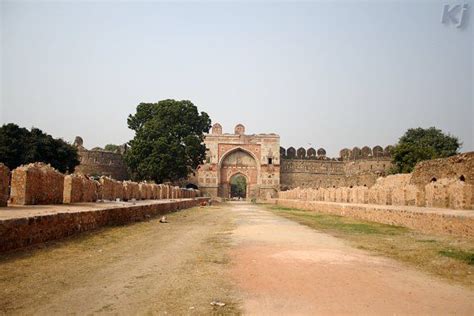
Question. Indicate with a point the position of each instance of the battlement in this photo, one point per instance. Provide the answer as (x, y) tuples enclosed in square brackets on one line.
[(356, 153)]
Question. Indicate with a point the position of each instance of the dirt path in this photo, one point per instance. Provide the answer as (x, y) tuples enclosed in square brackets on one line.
[(285, 268), (148, 267)]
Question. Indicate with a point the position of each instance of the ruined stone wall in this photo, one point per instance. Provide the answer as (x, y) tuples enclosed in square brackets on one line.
[(394, 190), (101, 163), (36, 183), (79, 188), (4, 184), (39, 183), (459, 166), (421, 188), (21, 232), (453, 223)]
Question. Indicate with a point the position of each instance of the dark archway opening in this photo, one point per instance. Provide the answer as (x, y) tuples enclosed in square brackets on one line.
[(238, 187), (191, 186)]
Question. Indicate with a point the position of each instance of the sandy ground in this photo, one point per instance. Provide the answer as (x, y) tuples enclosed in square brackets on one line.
[(145, 268), (283, 268), (254, 261)]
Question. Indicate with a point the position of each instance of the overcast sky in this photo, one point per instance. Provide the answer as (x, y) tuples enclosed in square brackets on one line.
[(330, 74)]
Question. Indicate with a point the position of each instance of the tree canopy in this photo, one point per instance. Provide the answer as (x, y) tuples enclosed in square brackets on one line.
[(20, 146), (168, 143), (111, 147), (419, 144)]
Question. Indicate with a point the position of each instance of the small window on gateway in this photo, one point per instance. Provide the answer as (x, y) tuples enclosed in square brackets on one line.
[(270, 161)]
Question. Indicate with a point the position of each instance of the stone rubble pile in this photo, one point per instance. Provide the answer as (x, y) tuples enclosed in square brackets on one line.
[(39, 183), (453, 193)]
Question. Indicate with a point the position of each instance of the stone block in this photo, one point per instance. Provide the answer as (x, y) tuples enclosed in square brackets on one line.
[(36, 183), (460, 195), (437, 193), (72, 189), (4, 184), (118, 190), (107, 186), (78, 188), (89, 190)]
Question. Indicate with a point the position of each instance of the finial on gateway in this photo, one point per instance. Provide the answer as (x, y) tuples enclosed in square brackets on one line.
[(239, 129), (217, 129)]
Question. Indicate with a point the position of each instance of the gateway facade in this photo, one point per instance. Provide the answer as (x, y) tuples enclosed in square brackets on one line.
[(250, 162)]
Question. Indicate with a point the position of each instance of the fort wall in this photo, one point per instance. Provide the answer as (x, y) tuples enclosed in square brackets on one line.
[(98, 162), (101, 163), (312, 168), (418, 192), (459, 166)]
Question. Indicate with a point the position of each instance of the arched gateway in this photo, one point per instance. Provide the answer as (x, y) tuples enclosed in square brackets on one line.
[(253, 157)]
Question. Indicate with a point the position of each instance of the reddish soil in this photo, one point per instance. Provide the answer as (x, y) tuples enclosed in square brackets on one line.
[(282, 267)]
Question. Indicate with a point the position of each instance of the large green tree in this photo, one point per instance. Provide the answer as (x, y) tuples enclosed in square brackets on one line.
[(20, 146), (168, 143), (419, 144)]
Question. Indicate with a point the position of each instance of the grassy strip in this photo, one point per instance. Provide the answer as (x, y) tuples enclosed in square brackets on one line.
[(448, 257)]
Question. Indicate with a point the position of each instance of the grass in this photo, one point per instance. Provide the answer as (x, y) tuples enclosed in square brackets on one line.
[(448, 257), (467, 257)]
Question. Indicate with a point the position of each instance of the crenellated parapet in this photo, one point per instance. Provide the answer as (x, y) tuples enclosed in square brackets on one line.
[(356, 153), (302, 153), (345, 154)]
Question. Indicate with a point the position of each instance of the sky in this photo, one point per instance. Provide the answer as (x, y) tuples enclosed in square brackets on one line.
[(329, 74)]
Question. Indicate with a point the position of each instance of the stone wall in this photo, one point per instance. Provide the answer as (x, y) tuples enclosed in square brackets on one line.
[(4, 184), (78, 188), (101, 163), (330, 172), (460, 167), (21, 232), (394, 190), (39, 183), (452, 223), (421, 188), (36, 183)]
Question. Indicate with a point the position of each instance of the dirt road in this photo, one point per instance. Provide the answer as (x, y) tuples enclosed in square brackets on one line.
[(284, 268), (240, 254)]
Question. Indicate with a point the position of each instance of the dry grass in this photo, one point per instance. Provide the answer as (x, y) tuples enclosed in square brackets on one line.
[(447, 257), (176, 268)]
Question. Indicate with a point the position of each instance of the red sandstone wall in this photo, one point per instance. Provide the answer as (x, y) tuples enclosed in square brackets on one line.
[(36, 183), (22, 232), (78, 188), (4, 184), (40, 184)]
